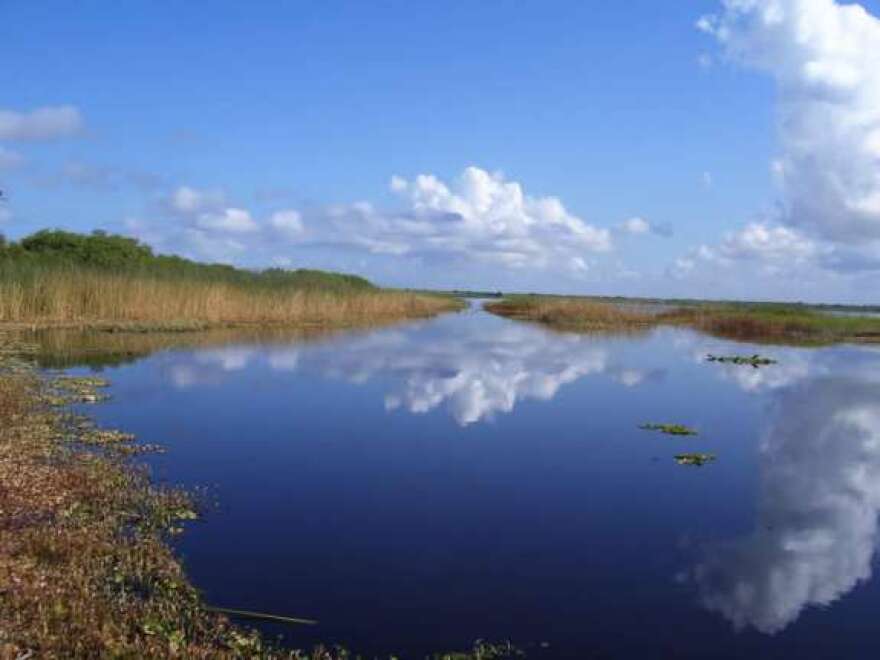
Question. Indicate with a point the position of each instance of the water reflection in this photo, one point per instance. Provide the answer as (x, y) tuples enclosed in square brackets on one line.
[(819, 499), (472, 370)]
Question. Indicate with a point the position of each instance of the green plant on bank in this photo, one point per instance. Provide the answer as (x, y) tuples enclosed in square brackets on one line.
[(694, 459), (764, 322), (753, 360), (669, 429), (56, 278)]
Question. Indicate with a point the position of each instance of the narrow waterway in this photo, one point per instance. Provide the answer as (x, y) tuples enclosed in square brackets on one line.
[(418, 487)]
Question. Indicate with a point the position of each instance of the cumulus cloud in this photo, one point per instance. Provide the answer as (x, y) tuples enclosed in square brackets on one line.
[(817, 527), (768, 243), (287, 222), (46, 123), (231, 220), (480, 217), (635, 226), (825, 58), (208, 214), (772, 249), (186, 200)]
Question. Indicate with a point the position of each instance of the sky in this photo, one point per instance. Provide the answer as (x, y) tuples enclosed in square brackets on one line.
[(699, 148)]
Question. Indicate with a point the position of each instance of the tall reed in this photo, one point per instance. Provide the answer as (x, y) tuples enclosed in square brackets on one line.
[(73, 295)]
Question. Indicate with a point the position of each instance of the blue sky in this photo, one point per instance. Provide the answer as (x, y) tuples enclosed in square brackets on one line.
[(590, 147)]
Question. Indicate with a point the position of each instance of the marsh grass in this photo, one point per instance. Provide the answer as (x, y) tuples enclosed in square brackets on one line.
[(75, 296), (571, 313), (764, 323)]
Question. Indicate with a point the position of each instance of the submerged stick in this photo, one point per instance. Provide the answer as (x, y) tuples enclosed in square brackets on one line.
[(262, 615)]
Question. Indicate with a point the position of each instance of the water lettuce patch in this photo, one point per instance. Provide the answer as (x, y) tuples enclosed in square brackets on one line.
[(669, 429)]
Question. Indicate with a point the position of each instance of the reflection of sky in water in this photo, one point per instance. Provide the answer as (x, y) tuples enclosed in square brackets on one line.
[(819, 499), (459, 367), (798, 465)]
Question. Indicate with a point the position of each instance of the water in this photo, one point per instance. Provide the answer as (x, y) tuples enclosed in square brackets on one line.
[(420, 487)]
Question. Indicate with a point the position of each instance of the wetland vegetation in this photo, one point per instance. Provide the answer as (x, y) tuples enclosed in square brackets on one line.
[(759, 322), (669, 429), (62, 279)]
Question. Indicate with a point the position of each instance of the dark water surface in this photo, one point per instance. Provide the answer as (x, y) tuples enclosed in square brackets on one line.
[(419, 487)]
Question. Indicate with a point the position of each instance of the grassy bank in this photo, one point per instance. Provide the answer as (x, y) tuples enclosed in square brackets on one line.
[(84, 568), (114, 283), (761, 322), (571, 313)]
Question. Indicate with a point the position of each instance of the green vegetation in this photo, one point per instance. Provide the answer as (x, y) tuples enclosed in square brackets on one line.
[(762, 322), (669, 429), (61, 279), (695, 460), (752, 360), (775, 323), (107, 252), (571, 313)]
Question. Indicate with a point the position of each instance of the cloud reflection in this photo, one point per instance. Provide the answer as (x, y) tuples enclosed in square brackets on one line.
[(470, 371), (819, 501)]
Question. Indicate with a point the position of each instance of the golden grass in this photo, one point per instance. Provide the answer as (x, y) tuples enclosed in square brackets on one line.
[(88, 298), (783, 324), (571, 313)]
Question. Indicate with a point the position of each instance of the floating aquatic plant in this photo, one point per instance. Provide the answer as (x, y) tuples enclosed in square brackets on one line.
[(65, 390), (696, 460), (669, 429), (752, 360)]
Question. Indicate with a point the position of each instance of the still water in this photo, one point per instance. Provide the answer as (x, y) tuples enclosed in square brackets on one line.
[(418, 487)]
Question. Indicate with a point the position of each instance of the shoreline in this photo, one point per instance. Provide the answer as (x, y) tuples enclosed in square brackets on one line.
[(84, 554), (768, 324)]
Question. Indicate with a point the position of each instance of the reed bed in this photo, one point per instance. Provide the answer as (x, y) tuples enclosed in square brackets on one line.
[(571, 313), (768, 323), (81, 297)]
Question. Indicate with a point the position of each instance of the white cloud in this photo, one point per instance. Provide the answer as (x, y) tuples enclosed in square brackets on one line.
[(825, 58), (40, 124), (481, 216), (635, 226), (287, 222), (767, 243), (208, 215), (231, 220), (5, 215), (478, 218), (770, 249), (189, 201), (707, 179)]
